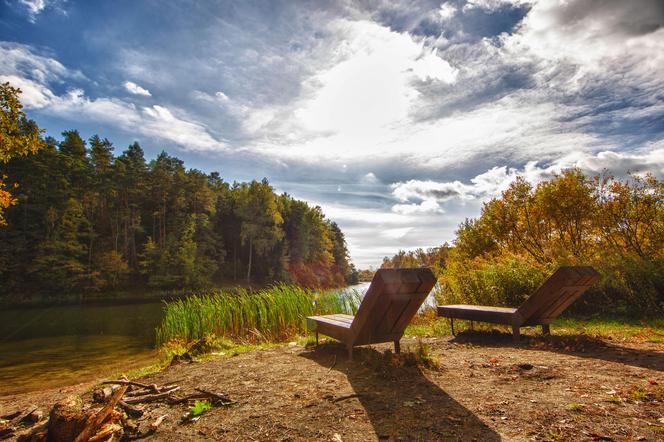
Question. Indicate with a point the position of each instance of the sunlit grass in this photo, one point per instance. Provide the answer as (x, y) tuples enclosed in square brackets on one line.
[(647, 330), (270, 315), (642, 330)]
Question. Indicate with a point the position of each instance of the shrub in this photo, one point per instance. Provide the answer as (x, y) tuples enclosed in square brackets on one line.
[(503, 281)]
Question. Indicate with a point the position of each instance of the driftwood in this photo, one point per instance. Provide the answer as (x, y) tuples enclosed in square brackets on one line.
[(130, 409), (7, 432), (11, 416), (150, 397), (154, 425), (94, 422), (37, 433), (152, 387), (143, 392), (225, 400), (107, 431)]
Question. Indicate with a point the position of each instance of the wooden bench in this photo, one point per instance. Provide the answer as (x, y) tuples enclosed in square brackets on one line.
[(557, 293), (393, 298)]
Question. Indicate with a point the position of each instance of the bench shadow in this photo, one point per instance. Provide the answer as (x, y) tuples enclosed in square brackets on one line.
[(579, 345), (400, 401)]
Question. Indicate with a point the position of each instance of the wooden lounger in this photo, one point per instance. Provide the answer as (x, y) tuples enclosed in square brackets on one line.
[(557, 293), (391, 301)]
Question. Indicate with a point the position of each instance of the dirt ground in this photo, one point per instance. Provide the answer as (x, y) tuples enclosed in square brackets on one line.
[(485, 389)]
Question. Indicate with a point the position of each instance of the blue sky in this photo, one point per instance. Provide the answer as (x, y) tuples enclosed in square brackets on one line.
[(398, 118)]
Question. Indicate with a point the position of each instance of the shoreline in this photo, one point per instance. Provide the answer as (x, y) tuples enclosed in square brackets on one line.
[(280, 391)]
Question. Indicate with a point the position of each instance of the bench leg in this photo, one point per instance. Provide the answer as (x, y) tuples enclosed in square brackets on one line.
[(316, 338), (516, 333), (546, 329), (397, 346), (452, 326), (350, 352)]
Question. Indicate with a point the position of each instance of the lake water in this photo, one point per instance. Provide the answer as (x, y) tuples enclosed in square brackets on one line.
[(63, 345)]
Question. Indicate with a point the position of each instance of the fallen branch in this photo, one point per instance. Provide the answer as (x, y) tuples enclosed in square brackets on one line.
[(152, 387), (150, 397), (130, 409), (6, 433), (106, 431), (221, 397), (154, 425), (10, 416)]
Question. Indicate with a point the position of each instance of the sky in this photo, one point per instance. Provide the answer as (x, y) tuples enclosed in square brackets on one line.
[(398, 118)]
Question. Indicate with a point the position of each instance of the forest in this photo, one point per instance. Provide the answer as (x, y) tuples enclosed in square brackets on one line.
[(78, 220), (615, 225)]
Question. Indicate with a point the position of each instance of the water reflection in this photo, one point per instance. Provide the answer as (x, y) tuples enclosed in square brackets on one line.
[(55, 346)]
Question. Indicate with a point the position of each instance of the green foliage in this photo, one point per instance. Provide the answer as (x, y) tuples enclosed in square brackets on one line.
[(199, 408), (102, 222), (434, 258), (272, 314)]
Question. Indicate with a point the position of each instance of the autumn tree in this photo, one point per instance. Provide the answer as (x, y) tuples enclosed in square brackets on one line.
[(19, 136)]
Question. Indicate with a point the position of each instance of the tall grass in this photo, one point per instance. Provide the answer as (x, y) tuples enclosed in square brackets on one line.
[(272, 314)]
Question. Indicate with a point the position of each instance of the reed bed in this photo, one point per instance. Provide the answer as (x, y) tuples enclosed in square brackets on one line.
[(272, 314)]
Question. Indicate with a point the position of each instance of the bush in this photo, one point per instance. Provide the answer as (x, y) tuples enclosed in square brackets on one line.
[(505, 281)]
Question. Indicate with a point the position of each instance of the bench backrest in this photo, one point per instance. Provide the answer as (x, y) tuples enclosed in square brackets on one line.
[(391, 301), (557, 293)]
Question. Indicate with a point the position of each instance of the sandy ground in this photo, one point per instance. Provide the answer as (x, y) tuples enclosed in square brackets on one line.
[(484, 389)]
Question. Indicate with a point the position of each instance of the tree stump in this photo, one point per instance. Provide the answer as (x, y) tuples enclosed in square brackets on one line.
[(67, 420)]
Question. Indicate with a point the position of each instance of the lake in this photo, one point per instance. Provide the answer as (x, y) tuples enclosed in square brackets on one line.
[(63, 345)]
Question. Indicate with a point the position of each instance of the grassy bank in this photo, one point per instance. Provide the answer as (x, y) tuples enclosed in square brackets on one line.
[(273, 314), (601, 326), (238, 320)]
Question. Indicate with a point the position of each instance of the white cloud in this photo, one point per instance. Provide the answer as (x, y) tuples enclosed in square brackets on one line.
[(492, 5), (369, 178), (34, 95), (221, 96), (430, 195), (426, 206), (447, 11), (363, 85), (218, 97), (19, 59), (34, 7), (34, 73), (135, 89), (618, 37)]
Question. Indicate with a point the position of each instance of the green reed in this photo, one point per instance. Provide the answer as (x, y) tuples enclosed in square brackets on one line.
[(273, 314)]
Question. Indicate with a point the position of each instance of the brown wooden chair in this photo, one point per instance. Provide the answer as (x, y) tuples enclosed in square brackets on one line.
[(389, 304), (557, 293)]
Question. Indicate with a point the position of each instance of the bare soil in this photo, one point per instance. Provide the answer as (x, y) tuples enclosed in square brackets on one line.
[(484, 389)]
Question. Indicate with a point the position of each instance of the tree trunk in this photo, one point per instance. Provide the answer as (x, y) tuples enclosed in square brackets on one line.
[(249, 266)]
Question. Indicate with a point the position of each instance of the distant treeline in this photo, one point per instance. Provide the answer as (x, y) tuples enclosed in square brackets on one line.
[(617, 226), (86, 220)]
